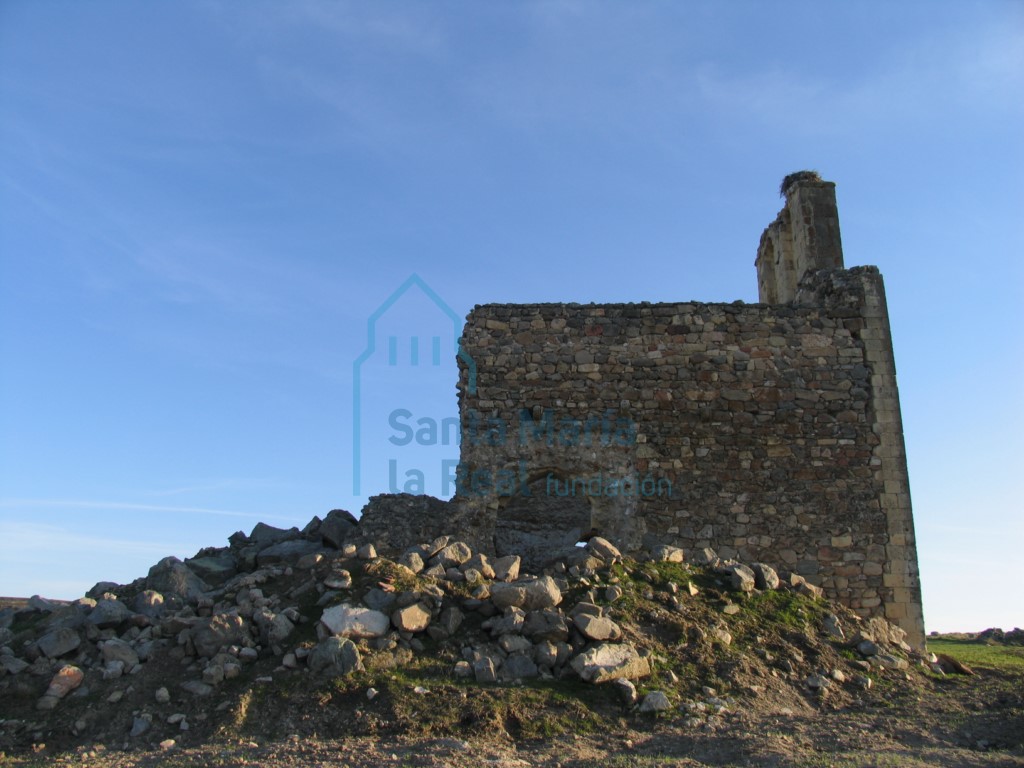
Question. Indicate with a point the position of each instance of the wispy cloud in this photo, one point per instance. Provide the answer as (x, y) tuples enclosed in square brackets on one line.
[(228, 483), (129, 507), (935, 75), (25, 541)]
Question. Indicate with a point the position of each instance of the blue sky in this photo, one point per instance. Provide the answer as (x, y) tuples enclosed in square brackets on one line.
[(202, 203)]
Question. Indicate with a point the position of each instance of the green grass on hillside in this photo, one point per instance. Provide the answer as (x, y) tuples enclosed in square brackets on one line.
[(1008, 658)]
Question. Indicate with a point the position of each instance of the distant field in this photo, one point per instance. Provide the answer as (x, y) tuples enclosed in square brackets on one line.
[(977, 653), (13, 602)]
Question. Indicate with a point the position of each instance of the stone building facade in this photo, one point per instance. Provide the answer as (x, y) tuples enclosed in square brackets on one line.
[(770, 432)]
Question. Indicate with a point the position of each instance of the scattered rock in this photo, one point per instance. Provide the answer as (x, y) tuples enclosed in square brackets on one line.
[(765, 577), (603, 549), (542, 593), (13, 665), (336, 656), (197, 688), (799, 584), (627, 691), (706, 556), (867, 648), (655, 701), (118, 650), (889, 661), (412, 618), (518, 666), (140, 725), (741, 577), (484, 670), (67, 679), (665, 553), (454, 554), (817, 681), (506, 568), (948, 665), (833, 628), (597, 628)]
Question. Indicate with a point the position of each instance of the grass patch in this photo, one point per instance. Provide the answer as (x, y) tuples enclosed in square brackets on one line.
[(782, 607), (453, 707), (384, 570), (976, 653)]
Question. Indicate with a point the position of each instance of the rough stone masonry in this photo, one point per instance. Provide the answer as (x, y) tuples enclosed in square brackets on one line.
[(769, 431)]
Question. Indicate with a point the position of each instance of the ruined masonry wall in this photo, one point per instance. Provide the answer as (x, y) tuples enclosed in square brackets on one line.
[(777, 427)]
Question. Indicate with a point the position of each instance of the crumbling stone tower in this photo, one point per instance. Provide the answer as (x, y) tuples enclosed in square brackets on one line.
[(770, 432), (803, 238)]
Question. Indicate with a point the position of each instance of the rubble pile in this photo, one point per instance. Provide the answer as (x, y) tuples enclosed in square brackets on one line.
[(147, 662)]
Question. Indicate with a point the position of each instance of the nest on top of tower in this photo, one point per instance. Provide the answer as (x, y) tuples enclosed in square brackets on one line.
[(793, 178)]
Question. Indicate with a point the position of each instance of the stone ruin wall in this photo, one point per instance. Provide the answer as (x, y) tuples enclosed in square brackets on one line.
[(775, 426)]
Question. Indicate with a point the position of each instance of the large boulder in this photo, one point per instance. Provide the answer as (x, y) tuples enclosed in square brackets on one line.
[(542, 593), (108, 614), (452, 555), (597, 627), (59, 642), (118, 650), (172, 577), (529, 595), (210, 635), (609, 661), (38, 603), (336, 527), (508, 595), (347, 620), (286, 551), (506, 568), (603, 549), (264, 535), (545, 625), (215, 569)]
